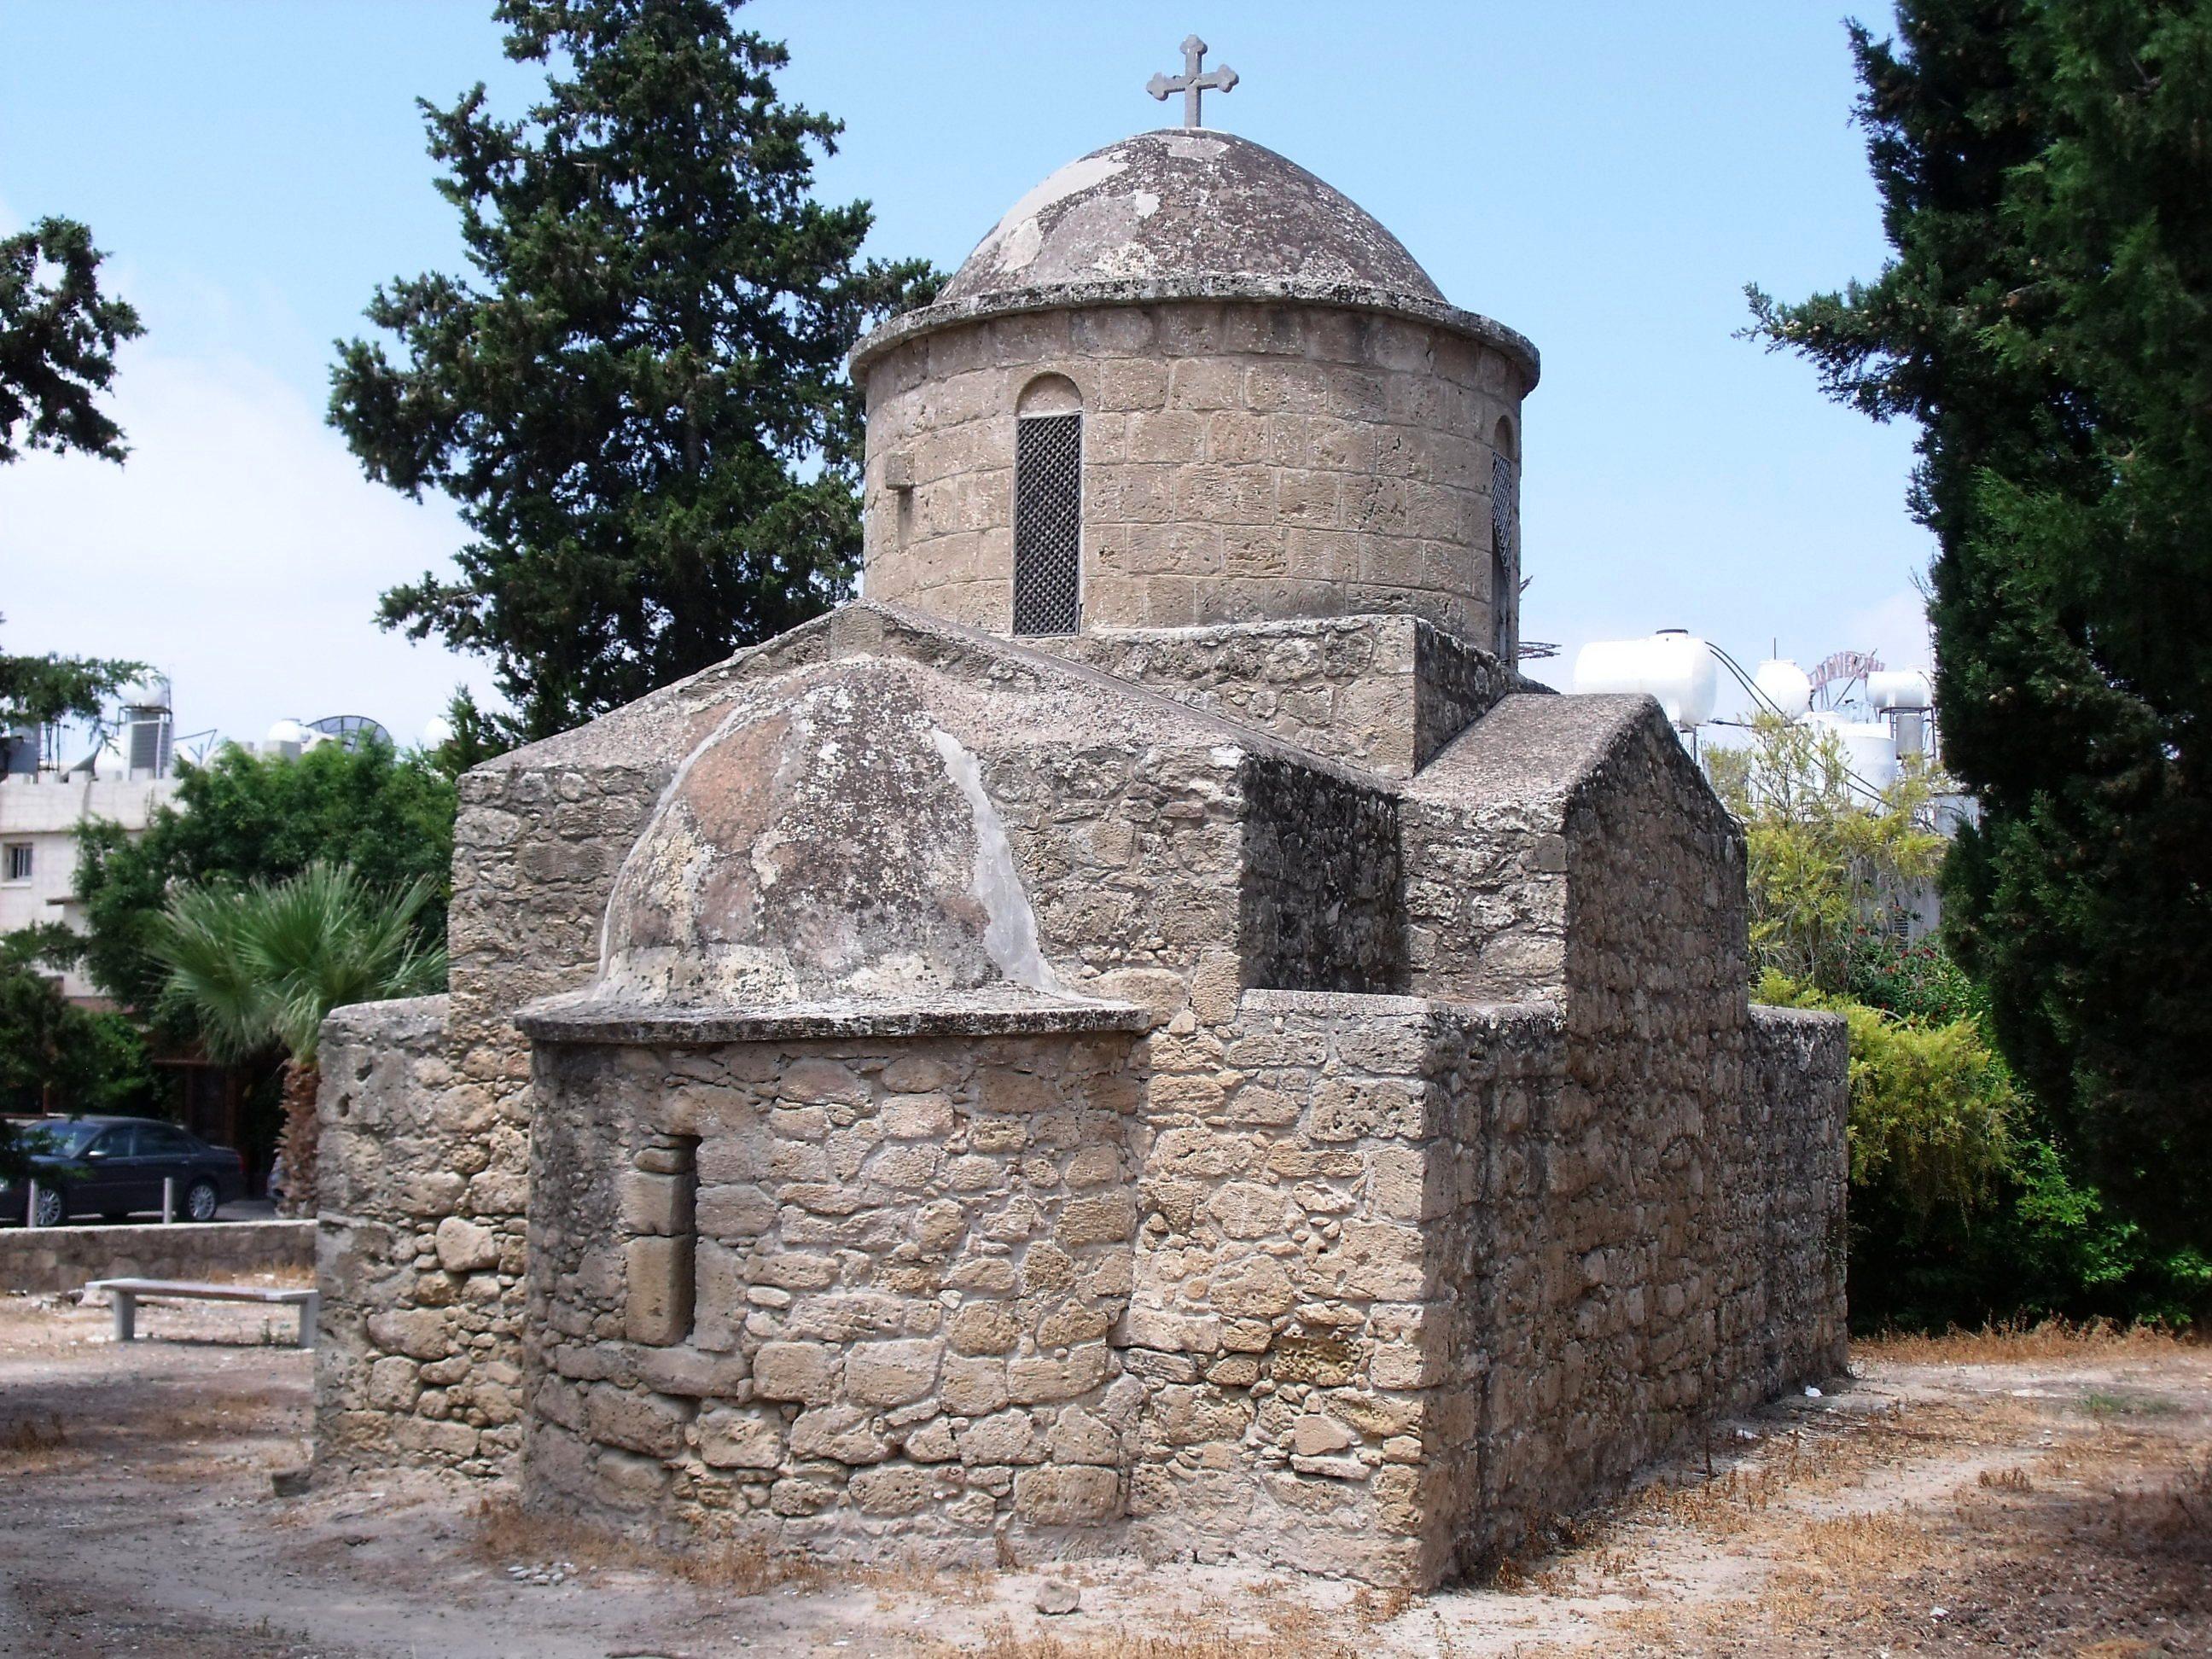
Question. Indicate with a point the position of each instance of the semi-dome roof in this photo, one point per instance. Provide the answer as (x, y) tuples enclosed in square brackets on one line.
[(1184, 204)]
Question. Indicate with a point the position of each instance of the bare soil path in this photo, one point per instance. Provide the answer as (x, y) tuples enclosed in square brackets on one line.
[(2041, 1493)]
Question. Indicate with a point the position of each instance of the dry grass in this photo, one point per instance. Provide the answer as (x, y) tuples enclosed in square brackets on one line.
[(1307, 1639), (27, 1437), (2009, 1343), (507, 1533)]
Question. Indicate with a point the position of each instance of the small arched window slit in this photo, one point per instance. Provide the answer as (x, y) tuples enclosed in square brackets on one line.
[(1049, 507)]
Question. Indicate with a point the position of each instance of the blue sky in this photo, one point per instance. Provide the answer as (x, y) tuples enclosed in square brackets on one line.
[(1603, 177)]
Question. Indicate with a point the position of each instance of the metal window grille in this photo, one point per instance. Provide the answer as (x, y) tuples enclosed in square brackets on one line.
[(1048, 524), (19, 861), (1504, 523)]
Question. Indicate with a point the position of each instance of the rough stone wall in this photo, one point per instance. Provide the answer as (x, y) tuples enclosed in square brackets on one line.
[(1796, 1158), (854, 1294), (41, 1259), (1385, 692), (1298, 1313), (1319, 906), (1242, 461), (1405, 1291), (417, 1360)]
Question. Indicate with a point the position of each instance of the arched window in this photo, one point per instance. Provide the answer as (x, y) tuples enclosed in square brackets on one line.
[(1505, 539), (1049, 507)]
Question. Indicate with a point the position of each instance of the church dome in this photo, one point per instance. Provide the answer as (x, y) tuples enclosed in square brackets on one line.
[(1187, 204)]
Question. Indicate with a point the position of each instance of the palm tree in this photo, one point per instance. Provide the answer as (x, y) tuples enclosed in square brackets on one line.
[(258, 968)]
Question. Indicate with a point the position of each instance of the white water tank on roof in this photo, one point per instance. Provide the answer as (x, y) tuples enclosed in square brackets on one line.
[(152, 691), (1869, 750), (1786, 685), (1674, 667), (1895, 691), (287, 738)]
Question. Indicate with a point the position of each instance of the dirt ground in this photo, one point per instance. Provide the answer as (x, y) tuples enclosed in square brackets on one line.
[(2042, 1492)]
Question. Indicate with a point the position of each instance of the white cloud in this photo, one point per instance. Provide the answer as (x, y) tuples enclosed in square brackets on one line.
[(1894, 628), (239, 550)]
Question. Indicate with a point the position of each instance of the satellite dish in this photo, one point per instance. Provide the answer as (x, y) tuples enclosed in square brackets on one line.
[(352, 731)]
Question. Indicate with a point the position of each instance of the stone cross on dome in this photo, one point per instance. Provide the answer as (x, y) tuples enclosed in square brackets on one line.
[(1190, 84)]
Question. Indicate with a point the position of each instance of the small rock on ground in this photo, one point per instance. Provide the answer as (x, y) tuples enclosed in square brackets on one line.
[(1054, 1598)]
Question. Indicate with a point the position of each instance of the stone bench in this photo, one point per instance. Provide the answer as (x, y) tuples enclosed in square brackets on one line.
[(125, 1294)]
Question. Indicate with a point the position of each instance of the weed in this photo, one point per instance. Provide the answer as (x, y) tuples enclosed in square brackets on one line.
[(2011, 1341), (27, 1435)]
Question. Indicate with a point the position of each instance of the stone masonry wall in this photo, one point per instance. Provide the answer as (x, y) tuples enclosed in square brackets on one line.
[(418, 1358), (1242, 461), (854, 1296), (1318, 905), (1386, 692), (1404, 1291), (41, 1259)]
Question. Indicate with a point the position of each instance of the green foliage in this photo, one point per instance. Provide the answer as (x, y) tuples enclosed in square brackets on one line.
[(1964, 1207), (245, 818), (1930, 1107), (37, 691), (260, 966), (1914, 981), (58, 339), (477, 737), (55, 1055), (2044, 171), (638, 398), (1823, 862)]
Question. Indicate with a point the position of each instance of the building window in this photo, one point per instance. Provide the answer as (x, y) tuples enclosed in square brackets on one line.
[(1047, 523), (1504, 525), (18, 861)]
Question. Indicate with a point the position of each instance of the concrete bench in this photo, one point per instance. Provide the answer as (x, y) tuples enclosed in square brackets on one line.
[(125, 1294)]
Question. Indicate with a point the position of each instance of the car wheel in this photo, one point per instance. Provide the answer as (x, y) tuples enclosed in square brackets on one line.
[(201, 1201), (53, 1207)]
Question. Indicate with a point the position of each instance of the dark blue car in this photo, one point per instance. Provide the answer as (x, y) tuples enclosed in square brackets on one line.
[(114, 1167)]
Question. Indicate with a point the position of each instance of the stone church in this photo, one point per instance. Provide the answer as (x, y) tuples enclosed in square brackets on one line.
[(1142, 1033)]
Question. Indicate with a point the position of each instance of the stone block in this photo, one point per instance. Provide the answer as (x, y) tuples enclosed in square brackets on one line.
[(1108, 1219), (718, 1295), (655, 1204), (896, 1490), (730, 1439), (1256, 1286), (985, 1328), (648, 1423), (843, 1433), (466, 1246), (794, 1370), (657, 1273), (892, 1373), (1042, 1378), (1053, 1495), (1005, 1438), (972, 1387)]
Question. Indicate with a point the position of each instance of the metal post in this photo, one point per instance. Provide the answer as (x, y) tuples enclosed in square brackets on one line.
[(310, 1311), (126, 1315), (168, 1199), (31, 1205)]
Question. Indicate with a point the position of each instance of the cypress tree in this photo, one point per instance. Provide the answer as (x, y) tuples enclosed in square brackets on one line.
[(637, 397), (2043, 168)]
